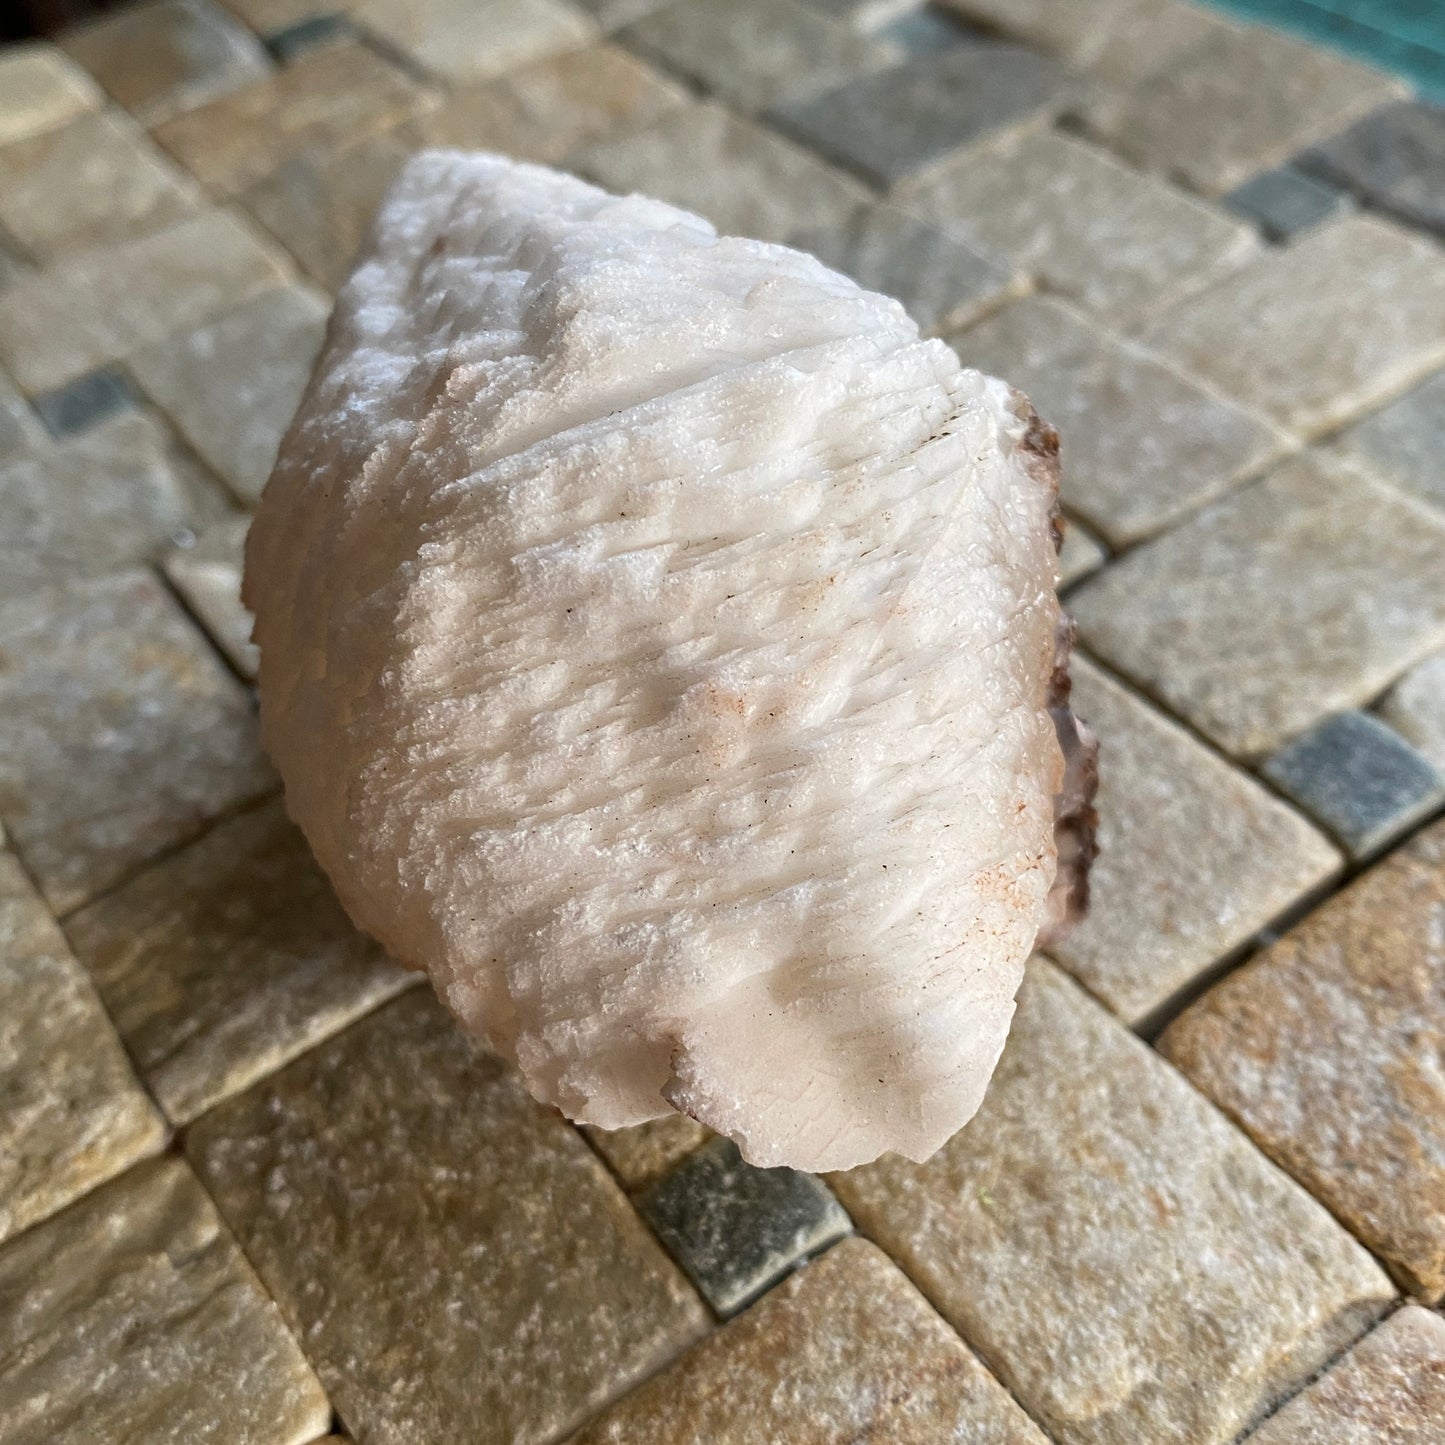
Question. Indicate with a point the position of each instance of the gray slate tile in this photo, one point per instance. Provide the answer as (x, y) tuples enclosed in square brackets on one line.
[(1284, 201), (1358, 778), (86, 401), (736, 1229)]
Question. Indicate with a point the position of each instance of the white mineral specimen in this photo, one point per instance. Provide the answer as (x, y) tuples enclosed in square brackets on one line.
[(656, 643)]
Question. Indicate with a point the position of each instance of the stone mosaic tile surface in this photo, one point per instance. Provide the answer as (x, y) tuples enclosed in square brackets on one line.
[(1213, 257)]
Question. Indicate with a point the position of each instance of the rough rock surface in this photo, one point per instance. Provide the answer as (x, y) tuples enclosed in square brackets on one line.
[(659, 644)]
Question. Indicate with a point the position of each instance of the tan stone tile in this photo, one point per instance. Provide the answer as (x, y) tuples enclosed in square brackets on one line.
[(1238, 101), (645, 1152), (458, 1261), (167, 56), (124, 732), (1085, 225), (1195, 857), (1121, 1256), (98, 305), (20, 430), (547, 109), (1298, 596), (1389, 1390), (206, 573), (40, 89), (267, 17), (226, 960), (334, 95), (1327, 1048), (320, 203), (1415, 708), (74, 1113), (1320, 331), (1143, 445), (110, 497), (475, 39), (847, 1349), (232, 385), (96, 180), (746, 180), (1082, 554), (133, 1316)]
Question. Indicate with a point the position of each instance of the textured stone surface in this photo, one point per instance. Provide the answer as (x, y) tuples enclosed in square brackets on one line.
[(893, 126), (39, 89), (1284, 201), (1320, 331), (232, 385), (124, 733), (1415, 707), (74, 1113), (96, 180), (226, 960), (735, 1229), (110, 497), (1393, 159), (85, 402), (845, 1350), (133, 1316), (1143, 446), (1389, 1390), (743, 178), (755, 53), (642, 1153), (1404, 443), (266, 17), (293, 41), (20, 431), (1299, 596), (1117, 241), (459, 1263), (338, 94), (1358, 778), (1326, 1048), (925, 30), (544, 111), (1238, 101), (1082, 553), (167, 56), (1195, 857), (474, 39), (1127, 1263), (320, 203), (97, 305), (206, 572)]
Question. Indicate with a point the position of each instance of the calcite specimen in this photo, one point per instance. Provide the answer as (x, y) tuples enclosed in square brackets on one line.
[(659, 644)]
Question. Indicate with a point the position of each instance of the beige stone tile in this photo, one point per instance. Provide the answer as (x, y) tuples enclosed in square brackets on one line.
[(1403, 442), (1298, 596), (226, 960), (268, 17), (1238, 101), (1320, 331), (40, 89), (1082, 223), (108, 498), (547, 109), (756, 53), (74, 1113), (124, 732), (167, 56), (847, 1349), (206, 573), (1129, 1266), (1082, 554), (1195, 857), (320, 203), (20, 430), (98, 305), (335, 95), (1143, 445), (746, 180), (1389, 1390), (96, 180), (1415, 707), (232, 385), (460, 1264), (476, 39), (1327, 1048), (645, 1152), (133, 1316)]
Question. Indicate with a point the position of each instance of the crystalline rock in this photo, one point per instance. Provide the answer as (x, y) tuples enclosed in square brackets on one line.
[(659, 646)]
